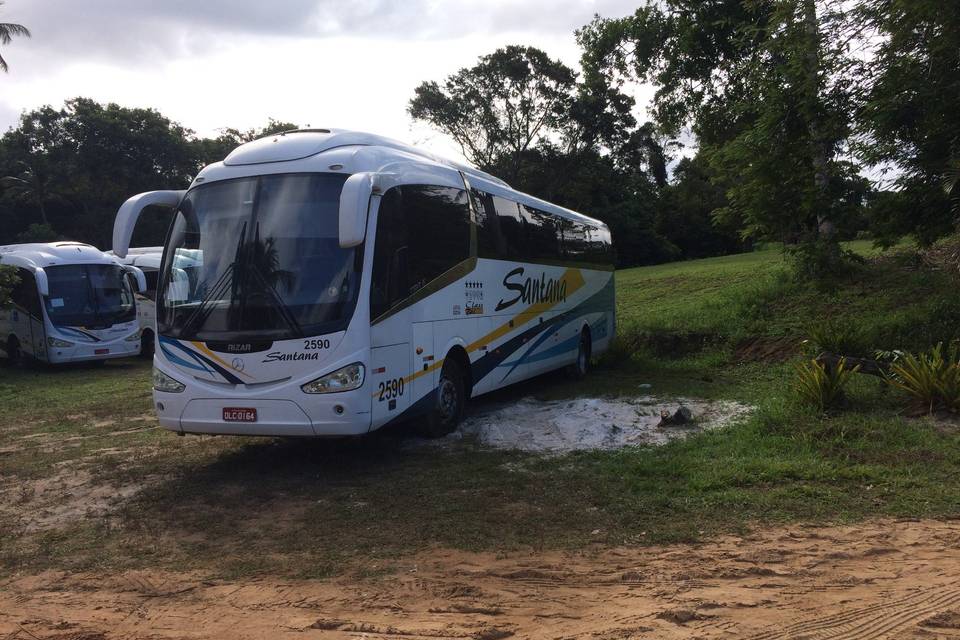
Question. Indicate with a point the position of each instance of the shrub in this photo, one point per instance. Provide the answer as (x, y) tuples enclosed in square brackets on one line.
[(932, 378), (841, 337), (821, 386)]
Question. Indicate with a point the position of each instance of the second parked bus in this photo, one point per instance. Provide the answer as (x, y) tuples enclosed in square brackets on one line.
[(72, 303)]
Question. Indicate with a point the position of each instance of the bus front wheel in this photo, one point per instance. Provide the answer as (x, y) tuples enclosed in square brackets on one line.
[(449, 405)]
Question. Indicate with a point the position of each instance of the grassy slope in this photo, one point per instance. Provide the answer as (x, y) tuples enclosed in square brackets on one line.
[(245, 506)]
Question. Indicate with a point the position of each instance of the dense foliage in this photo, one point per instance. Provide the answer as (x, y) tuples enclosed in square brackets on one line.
[(66, 171), (788, 104)]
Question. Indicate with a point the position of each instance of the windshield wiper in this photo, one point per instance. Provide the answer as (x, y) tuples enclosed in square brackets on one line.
[(256, 255), (203, 309)]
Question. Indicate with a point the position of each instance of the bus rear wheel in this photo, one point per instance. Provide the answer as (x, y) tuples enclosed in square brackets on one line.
[(450, 401), (581, 366), (146, 344), (14, 354)]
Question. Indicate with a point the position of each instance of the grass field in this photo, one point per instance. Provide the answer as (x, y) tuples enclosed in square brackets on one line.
[(87, 480)]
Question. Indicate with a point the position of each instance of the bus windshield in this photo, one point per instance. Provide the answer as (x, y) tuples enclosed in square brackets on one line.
[(89, 295), (258, 259)]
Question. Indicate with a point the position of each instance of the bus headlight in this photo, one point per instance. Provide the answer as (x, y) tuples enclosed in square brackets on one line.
[(57, 342), (163, 382), (346, 379), (133, 337)]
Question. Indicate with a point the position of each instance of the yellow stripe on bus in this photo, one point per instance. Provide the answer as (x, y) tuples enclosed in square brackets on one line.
[(574, 281)]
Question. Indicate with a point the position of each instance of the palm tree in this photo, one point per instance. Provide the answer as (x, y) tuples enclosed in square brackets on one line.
[(30, 185), (9, 30)]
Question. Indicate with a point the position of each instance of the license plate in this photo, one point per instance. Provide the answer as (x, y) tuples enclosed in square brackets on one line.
[(100, 352), (239, 414)]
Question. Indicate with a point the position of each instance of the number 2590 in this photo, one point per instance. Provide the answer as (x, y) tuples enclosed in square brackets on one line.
[(390, 389)]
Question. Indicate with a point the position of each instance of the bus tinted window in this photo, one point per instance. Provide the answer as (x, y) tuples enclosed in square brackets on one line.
[(422, 231), (543, 239), (439, 220), (599, 247), (512, 227), (575, 238), (490, 241), (25, 293)]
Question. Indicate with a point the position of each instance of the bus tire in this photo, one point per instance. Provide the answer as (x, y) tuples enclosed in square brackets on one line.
[(146, 344), (581, 366), (451, 399), (14, 354)]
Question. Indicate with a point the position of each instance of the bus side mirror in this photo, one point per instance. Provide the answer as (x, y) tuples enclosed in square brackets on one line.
[(130, 210), (354, 203), (43, 285), (138, 276)]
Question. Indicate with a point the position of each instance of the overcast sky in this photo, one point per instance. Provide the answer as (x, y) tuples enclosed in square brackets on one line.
[(210, 64)]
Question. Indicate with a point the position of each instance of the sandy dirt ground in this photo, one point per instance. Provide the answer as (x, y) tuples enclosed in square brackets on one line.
[(886, 579)]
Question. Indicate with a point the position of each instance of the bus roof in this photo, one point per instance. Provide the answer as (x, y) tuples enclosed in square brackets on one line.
[(353, 151), (47, 254)]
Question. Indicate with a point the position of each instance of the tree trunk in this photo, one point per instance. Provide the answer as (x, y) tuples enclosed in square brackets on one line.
[(43, 211), (819, 148)]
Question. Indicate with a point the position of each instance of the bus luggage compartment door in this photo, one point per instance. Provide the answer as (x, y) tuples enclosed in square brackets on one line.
[(425, 376), (389, 373)]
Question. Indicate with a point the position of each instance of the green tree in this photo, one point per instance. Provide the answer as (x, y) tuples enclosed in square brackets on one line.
[(9, 31), (909, 114), (500, 107), (685, 209), (216, 149), (761, 85), (95, 156)]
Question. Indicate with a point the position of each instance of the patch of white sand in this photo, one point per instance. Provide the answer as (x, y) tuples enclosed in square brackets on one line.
[(591, 423)]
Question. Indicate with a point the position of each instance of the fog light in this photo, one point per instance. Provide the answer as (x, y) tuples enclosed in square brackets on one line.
[(339, 409)]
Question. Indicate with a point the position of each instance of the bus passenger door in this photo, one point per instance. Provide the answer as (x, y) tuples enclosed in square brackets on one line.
[(389, 373)]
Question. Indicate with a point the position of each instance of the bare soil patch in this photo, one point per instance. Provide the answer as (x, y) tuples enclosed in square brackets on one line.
[(766, 349), (881, 579), (58, 500), (560, 426)]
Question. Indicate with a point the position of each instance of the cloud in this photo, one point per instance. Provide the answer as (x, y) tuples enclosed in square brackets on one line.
[(142, 31)]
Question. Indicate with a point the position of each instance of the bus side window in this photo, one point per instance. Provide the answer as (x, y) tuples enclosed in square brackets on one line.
[(576, 241), (438, 219), (25, 294), (490, 240), (151, 292), (543, 237), (512, 228)]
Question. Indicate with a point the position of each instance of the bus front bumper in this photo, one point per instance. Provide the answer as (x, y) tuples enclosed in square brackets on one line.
[(340, 414), (92, 352)]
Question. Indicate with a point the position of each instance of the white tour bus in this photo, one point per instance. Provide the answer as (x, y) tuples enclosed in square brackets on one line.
[(147, 259), (326, 282), (72, 303)]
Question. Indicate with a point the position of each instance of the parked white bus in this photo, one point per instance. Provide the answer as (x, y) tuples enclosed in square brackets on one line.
[(72, 303), (147, 259), (326, 282)]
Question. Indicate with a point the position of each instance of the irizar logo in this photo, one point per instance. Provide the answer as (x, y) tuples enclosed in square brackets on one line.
[(531, 290)]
